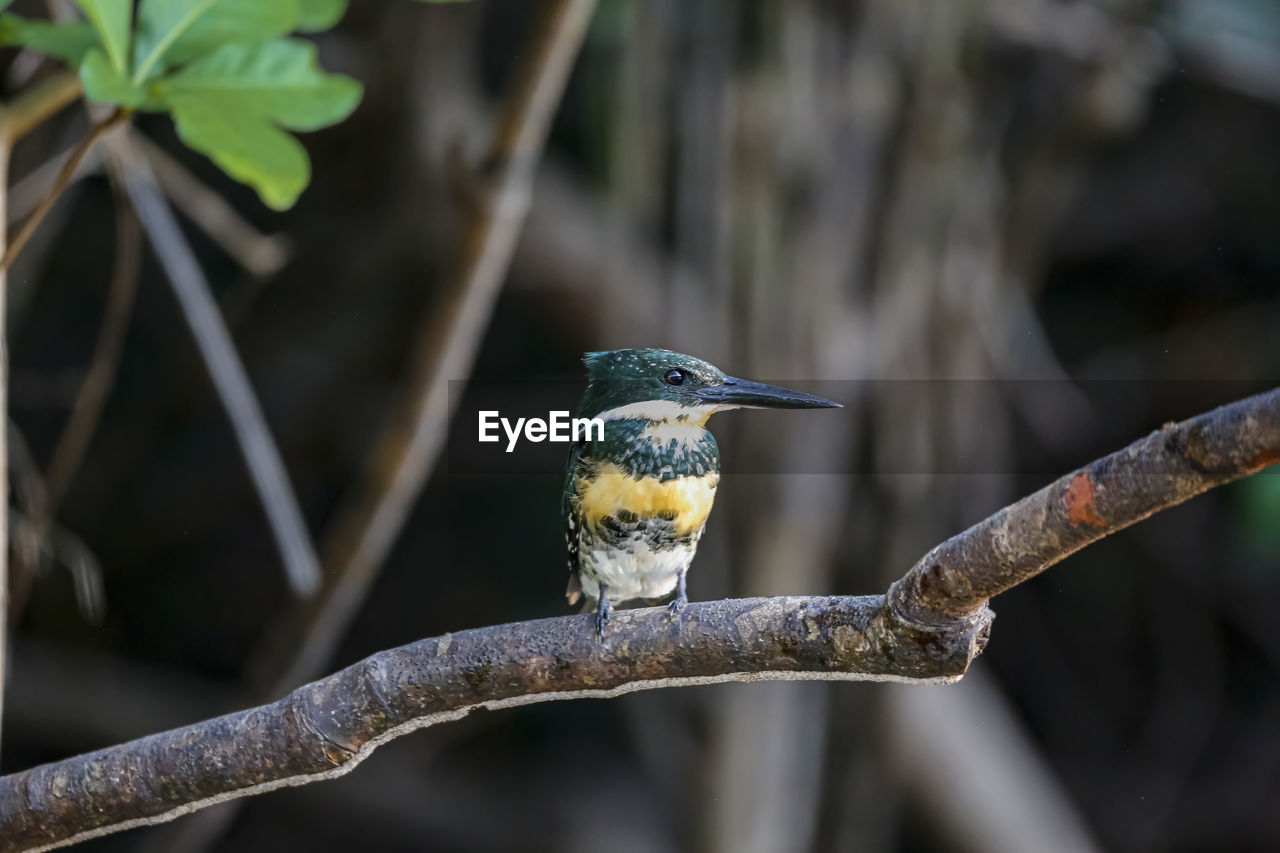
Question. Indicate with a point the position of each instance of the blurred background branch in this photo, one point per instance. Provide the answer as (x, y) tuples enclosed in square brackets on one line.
[(368, 523), (369, 520), (214, 342)]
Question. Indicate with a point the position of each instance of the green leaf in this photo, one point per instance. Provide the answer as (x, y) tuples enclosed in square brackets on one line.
[(160, 24), (103, 82), (5, 4), (245, 145), (320, 15), (171, 32), (279, 80), (112, 19), (231, 105), (67, 41)]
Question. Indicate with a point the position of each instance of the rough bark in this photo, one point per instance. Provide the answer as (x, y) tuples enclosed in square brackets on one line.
[(324, 729), (1172, 464)]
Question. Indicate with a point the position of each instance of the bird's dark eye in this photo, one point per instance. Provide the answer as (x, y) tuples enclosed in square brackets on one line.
[(673, 377)]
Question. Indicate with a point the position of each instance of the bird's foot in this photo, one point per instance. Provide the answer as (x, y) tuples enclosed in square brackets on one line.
[(603, 611), (681, 599)]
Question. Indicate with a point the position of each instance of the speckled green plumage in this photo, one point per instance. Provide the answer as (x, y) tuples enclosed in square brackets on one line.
[(636, 502)]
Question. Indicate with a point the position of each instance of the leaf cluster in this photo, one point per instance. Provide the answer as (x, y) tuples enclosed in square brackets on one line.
[(233, 74)]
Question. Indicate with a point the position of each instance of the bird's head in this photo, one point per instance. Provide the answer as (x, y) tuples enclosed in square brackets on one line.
[(661, 385)]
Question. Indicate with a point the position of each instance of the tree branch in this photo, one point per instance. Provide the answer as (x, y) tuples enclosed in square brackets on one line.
[(101, 375), (39, 103), (324, 729), (1174, 463), (63, 180), (6, 148), (931, 625), (262, 255)]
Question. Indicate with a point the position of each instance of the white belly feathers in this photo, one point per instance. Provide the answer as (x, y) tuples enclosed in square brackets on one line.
[(638, 573)]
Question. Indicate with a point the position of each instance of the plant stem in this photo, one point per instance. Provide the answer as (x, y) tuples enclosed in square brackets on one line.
[(6, 142), (101, 375), (16, 119), (230, 380), (68, 171), (39, 103)]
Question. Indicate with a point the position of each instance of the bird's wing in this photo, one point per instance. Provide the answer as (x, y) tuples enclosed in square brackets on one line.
[(570, 514)]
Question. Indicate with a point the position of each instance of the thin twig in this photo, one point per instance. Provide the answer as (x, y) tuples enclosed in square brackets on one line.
[(6, 142), (406, 451), (65, 175), (26, 494), (228, 373), (39, 103), (101, 375), (28, 191), (322, 730), (16, 118), (65, 549), (262, 255)]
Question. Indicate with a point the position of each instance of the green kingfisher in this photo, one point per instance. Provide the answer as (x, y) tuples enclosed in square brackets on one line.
[(636, 501)]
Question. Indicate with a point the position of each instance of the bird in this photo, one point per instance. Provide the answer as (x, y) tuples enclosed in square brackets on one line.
[(637, 498)]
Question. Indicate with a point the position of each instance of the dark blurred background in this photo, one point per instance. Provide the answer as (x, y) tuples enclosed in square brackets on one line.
[(1062, 215)]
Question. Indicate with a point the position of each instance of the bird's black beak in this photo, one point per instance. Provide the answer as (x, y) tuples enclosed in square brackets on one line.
[(757, 395)]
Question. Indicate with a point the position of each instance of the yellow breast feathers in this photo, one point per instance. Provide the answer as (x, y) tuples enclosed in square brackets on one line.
[(685, 500)]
